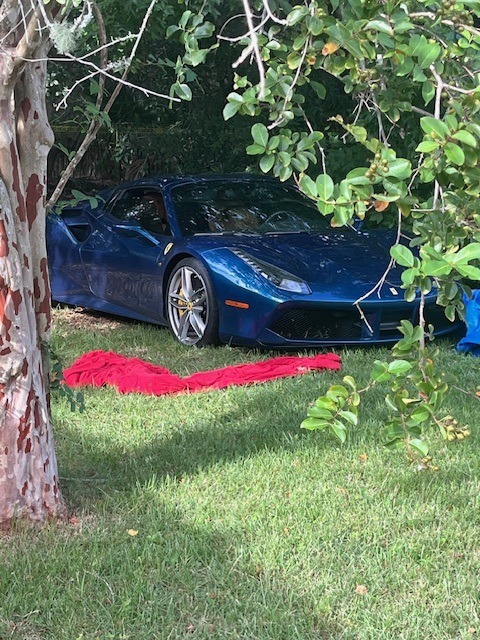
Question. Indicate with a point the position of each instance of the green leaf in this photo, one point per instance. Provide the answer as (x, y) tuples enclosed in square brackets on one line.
[(380, 371), (260, 134), (305, 143), (296, 15), (294, 60), (358, 177), (431, 125), (405, 67), (273, 143), (409, 275), (230, 109), (173, 28), (417, 42), (349, 416), (325, 209), (420, 414), (436, 268), (284, 157), (337, 391), (266, 163), (339, 431), (426, 146), (419, 446), (454, 153), (325, 403), (470, 252), (325, 186), (198, 56), (78, 195), (395, 444), (183, 91), (255, 150), (299, 163), (342, 215), (314, 424), (319, 89), (316, 412), (402, 255), (308, 186), (468, 271), (284, 173), (398, 367), (428, 54), (428, 91), (379, 25), (465, 137), (400, 169)]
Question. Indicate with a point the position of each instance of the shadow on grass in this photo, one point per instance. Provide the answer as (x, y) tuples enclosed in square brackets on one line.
[(255, 424), (255, 421), (174, 579)]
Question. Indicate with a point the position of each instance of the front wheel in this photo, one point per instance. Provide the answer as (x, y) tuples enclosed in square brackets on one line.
[(191, 306)]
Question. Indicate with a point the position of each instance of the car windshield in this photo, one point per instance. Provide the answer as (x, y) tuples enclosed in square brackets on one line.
[(250, 206)]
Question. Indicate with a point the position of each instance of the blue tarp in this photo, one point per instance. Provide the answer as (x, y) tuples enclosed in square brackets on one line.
[(471, 342)]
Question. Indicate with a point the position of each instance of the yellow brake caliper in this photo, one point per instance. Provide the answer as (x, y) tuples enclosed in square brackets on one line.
[(181, 303)]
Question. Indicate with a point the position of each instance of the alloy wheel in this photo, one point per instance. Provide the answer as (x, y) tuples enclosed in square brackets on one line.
[(188, 311)]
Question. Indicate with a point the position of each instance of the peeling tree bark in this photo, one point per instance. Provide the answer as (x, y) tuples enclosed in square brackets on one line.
[(28, 468)]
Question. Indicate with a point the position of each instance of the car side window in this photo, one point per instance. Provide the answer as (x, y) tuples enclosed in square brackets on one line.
[(143, 206)]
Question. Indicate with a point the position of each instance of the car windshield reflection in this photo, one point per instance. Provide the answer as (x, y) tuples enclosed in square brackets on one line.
[(255, 208)]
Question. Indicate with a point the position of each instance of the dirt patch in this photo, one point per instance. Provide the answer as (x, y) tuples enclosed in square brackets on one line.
[(81, 318)]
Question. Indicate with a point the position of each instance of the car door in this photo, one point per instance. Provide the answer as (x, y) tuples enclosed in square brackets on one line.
[(121, 258)]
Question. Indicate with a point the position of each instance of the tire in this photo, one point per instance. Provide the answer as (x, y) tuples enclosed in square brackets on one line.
[(192, 310)]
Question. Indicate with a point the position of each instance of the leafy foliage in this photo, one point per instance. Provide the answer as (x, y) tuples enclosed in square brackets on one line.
[(412, 70)]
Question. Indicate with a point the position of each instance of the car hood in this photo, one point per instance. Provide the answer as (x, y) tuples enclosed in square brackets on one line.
[(336, 258)]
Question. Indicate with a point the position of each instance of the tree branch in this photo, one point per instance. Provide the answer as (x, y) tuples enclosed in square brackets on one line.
[(120, 83), (92, 129), (256, 49)]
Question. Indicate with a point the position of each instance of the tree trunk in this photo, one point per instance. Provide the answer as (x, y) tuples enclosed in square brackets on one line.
[(28, 468)]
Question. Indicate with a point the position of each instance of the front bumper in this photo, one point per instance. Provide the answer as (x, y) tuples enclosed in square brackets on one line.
[(293, 324)]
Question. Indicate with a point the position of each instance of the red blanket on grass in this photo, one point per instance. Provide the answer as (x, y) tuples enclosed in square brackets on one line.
[(98, 368)]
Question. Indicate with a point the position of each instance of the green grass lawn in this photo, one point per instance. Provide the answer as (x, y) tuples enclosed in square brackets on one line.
[(246, 526)]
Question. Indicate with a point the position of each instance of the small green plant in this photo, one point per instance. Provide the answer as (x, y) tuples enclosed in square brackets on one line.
[(416, 394), (59, 388)]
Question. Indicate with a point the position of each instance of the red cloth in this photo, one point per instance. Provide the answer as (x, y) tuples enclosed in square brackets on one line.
[(98, 368)]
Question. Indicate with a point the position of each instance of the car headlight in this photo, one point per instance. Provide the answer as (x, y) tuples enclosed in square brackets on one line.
[(280, 278)]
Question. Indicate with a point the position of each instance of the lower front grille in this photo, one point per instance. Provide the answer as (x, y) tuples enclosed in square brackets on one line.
[(346, 325), (324, 324)]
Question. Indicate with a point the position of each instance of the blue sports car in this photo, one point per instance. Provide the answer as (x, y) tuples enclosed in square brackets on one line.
[(243, 259)]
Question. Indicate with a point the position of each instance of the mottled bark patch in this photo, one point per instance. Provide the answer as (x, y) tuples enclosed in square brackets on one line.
[(4, 251), (44, 306), (34, 196), (23, 431), (5, 321), (16, 297), (25, 107), (17, 189), (24, 423)]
